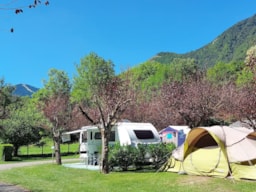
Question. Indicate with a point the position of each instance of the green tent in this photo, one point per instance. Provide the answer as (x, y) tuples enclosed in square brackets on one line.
[(217, 151)]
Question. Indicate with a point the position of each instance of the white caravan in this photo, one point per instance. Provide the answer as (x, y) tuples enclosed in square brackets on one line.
[(126, 133)]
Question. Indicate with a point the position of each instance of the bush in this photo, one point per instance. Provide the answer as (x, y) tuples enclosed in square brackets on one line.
[(152, 154), (142, 156), (121, 156), (160, 153), (6, 150)]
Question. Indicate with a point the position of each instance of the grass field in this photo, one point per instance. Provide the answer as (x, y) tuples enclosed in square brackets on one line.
[(34, 152), (47, 148), (54, 178)]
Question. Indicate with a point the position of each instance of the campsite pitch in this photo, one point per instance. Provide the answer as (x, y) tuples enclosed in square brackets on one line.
[(54, 178)]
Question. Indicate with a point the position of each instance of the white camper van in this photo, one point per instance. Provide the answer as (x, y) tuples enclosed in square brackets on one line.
[(126, 133)]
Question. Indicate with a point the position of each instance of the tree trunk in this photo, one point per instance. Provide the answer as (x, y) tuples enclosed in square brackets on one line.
[(57, 149), (15, 151), (105, 149)]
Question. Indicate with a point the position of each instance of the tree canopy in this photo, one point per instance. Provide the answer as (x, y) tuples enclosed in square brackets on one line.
[(102, 97), (54, 101), (23, 125)]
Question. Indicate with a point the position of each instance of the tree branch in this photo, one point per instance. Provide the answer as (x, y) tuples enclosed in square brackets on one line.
[(86, 115)]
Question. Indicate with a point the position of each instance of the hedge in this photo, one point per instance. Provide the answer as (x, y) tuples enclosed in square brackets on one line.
[(6, 150)]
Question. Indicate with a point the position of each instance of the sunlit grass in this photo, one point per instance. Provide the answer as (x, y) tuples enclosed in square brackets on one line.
[(34, 152), (54, 178), (47, 149)]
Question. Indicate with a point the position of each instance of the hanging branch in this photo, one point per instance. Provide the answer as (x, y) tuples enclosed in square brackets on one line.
[(19, 9)]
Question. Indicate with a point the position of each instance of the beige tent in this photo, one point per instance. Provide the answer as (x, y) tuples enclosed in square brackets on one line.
[(217, 151)]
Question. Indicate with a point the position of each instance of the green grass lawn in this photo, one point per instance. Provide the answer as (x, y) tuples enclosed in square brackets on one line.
[(54, 178), (47, 148), (34, 152)]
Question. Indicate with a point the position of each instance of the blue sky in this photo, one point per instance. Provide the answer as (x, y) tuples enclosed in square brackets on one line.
[(128, 32)]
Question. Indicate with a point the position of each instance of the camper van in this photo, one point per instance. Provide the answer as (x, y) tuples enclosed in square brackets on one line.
[(125, 133)]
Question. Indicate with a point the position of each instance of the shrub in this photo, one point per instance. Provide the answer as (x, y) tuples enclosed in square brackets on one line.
[(121, 156), (141, 155), (6, 150), (160, 153), (152, 154)]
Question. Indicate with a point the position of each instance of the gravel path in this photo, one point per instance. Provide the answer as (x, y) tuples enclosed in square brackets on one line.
[(4, 187), (11, 188), (22, 164)]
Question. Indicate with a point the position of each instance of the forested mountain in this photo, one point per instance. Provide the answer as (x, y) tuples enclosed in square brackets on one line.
[(230, 46)]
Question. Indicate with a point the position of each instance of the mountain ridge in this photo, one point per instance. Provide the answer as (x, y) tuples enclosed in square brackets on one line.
[(231, 45), (24, 90)]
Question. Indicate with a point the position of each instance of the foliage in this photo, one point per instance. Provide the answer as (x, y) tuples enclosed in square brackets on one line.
[(183, 69), (151, 75), (248, 74), (142, 155), (250, 59), (151, 154), (191, 103), (54, 101), (245, 77), (224, 72), (166, 57), (121, 156), (245, 104), (23, 125), (249, 112), (194, 97), (230, 46), (93, 73), (102, 97), (6, 98), (6, 151), (147, 75), (161, 153)]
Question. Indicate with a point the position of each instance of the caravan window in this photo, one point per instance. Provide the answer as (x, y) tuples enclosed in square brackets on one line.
[(144, 134), (112, 136), (97, 135)]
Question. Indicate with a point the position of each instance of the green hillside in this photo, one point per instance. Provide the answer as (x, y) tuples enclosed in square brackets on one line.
[(231, 45), (226, 54)]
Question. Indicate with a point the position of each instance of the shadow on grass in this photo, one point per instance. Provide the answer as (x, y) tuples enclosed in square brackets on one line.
[(35, 157)]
